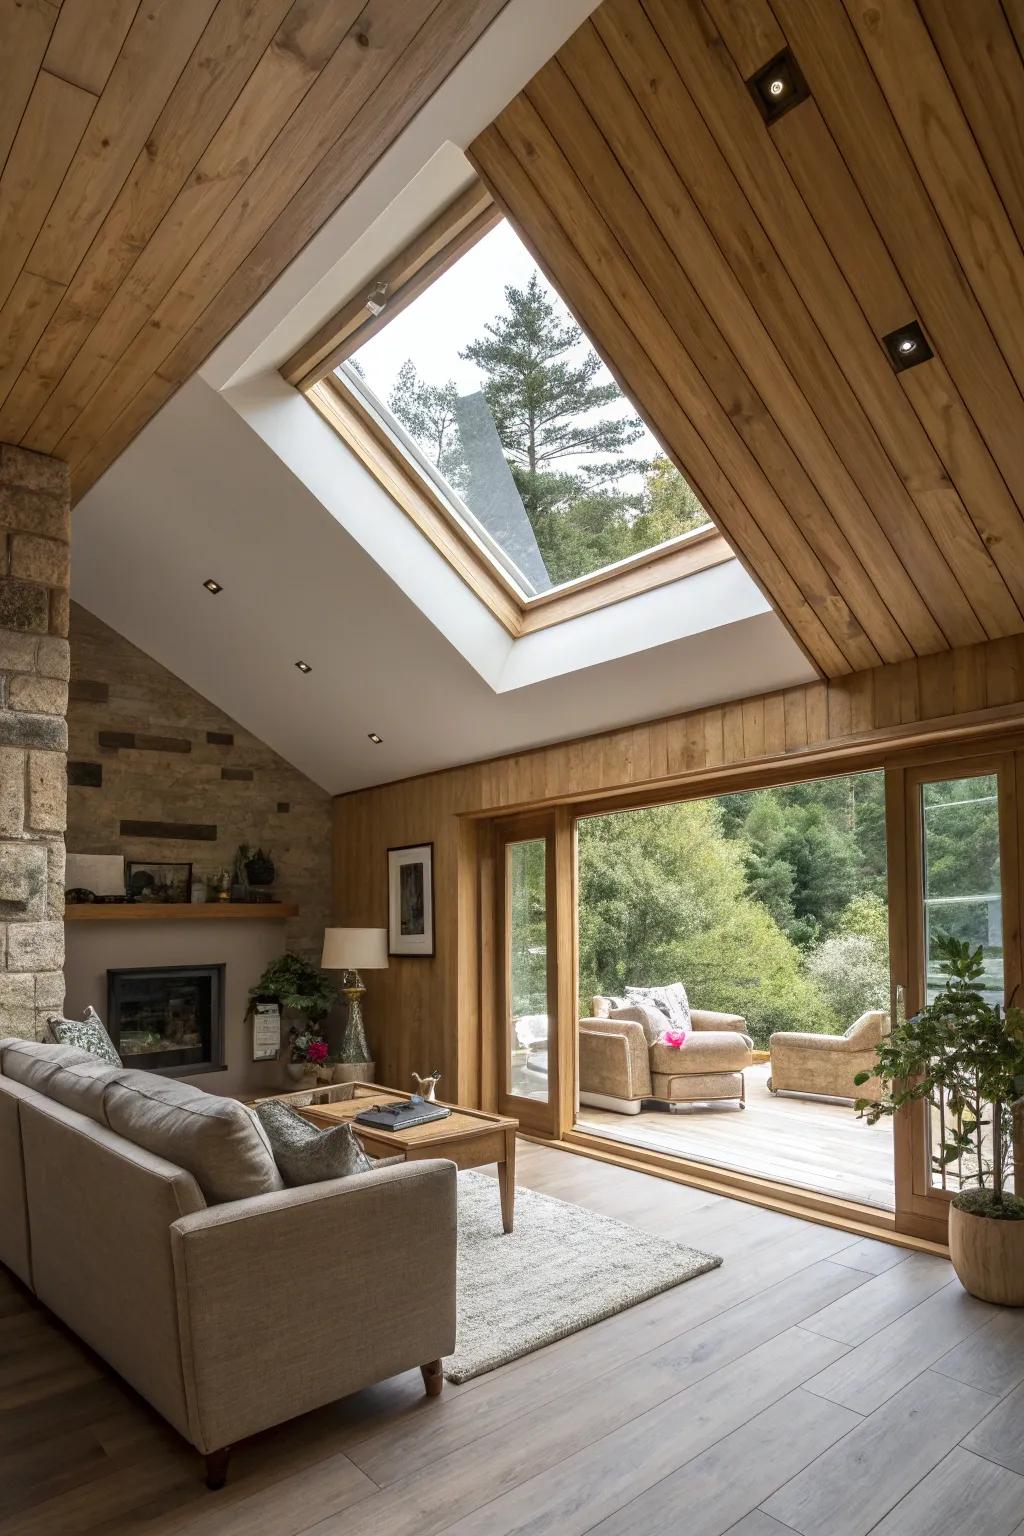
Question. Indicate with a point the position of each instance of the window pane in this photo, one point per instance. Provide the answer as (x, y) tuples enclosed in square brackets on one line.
[(962, 900), (491, 388), (962, 895), (528, 1025)]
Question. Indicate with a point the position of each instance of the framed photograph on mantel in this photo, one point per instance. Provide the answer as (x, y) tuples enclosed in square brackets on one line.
[(411, 900)]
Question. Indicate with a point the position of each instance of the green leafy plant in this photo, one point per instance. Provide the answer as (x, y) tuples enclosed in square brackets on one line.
[(967, 1055), (297, 984)]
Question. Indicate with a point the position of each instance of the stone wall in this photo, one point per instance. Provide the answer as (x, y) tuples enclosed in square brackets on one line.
[(156, 771), (34, 566)]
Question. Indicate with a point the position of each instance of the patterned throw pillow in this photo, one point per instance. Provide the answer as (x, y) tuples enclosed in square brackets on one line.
[(306, 1155), (88, 1034), (671, 1001)]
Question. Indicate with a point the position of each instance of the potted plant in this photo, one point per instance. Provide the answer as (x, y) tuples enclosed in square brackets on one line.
[(300, 988), (259, 868), (968, 1055)]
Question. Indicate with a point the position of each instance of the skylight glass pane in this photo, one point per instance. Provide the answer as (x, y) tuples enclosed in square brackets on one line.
[(492, 389)]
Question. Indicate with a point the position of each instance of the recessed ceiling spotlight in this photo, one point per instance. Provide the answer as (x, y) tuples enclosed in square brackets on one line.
[(907, 346), (778, 86), (375, 738), (304, 666), (212, 586)]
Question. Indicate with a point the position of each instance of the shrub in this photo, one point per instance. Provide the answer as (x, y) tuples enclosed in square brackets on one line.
[(851, 973)]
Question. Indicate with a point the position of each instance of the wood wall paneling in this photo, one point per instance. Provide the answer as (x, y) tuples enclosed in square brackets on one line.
[(163, 164), (738, 277)]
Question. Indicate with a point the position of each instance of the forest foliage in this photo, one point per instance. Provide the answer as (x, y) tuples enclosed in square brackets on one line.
[(769, 903), (568, 436)]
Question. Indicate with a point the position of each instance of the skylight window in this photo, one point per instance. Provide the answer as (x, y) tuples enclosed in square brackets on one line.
[(487, 386)]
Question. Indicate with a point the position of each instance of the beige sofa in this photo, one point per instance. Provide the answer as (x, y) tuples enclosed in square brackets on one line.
[(152, 1220), (622, 1061), (827, 1064)]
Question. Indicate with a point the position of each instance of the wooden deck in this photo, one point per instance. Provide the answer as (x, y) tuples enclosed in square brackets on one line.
[(815, 1383), (811, 1143)]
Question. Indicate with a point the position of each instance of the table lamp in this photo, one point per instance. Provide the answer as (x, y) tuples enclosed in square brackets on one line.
[(351, 950)]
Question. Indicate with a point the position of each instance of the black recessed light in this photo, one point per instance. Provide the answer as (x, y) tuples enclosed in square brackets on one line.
[(907, 347), (212, 586), (304, 666), (375, 738), (778, 86)]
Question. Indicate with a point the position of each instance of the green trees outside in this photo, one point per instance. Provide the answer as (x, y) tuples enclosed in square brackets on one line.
[(566, 436), (769, 903)]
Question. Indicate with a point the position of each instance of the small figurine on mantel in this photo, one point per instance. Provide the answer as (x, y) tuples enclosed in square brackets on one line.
[(425, 1086)]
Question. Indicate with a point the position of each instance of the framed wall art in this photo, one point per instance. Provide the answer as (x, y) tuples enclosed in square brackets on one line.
[(411, 900)]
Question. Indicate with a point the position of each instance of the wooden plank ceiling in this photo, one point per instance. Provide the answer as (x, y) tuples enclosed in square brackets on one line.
[(162, 164), (739, 277)]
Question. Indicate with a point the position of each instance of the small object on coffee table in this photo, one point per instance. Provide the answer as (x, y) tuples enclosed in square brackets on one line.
[(426, 1086)]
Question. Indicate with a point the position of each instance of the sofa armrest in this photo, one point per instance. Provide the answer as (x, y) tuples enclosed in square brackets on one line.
[(290, 1300), (796, 1039), (705, 1018), (614, 1058)]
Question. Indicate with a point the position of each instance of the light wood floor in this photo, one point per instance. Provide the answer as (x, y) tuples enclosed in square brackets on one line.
[(815, 1383), (811, 1143)]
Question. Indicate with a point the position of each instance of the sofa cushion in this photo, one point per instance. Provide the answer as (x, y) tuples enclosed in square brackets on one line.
[(705, 1051), (217, 1140), (307, 1155), (69, 1076), (672, 1001), (651, 1020), (87, 1034)]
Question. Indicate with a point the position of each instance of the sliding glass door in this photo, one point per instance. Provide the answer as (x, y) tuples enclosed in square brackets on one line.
[(528, 1004), (962, 881)]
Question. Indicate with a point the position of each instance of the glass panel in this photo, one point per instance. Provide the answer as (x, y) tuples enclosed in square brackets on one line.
[(769, 905), (962, 899), (962, 892), (488, 385), (529, 1029)]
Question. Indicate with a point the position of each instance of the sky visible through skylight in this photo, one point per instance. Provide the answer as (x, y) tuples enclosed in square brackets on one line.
[(561, 500)]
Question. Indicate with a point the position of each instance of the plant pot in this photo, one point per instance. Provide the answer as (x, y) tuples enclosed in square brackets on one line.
[(354, 1072), (260, 871), (988, 1256)]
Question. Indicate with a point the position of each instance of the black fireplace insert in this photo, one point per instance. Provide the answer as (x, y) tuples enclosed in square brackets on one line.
[(169, 1019)]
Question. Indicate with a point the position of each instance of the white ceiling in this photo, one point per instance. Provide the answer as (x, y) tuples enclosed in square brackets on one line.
[(317, 564)]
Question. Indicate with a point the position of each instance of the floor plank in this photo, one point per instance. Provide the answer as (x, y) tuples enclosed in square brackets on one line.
[(1000, 1436), (992, 1358), (963, 1493), (886, 1298), (872, 1256), (882, 1365), (737, 1473), (856, 1483)]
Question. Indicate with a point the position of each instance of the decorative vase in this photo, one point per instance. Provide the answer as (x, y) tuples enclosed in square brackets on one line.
[(260, 869), (325, 1073), (299, 1071), (988, 1256), (354, 1072)]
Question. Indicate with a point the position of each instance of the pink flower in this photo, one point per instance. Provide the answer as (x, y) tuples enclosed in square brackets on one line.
[(316, 1051), (676, 1038)]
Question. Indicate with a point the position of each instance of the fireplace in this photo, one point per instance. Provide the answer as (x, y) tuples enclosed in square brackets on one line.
[(169, 1019)]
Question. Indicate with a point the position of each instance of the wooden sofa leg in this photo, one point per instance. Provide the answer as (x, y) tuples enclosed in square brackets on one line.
[(433, 1378), (217, 1468)]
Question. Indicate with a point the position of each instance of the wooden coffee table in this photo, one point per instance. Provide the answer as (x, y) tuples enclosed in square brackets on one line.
[(467, 1137)]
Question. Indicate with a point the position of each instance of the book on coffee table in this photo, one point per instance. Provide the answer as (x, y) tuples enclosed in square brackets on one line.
[(401, 1117)]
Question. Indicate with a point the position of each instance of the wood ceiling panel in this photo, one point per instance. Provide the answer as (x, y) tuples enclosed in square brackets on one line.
[(757, 266), (219, 136)]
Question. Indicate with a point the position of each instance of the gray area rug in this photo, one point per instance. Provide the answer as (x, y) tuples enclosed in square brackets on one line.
[(562, 1269)]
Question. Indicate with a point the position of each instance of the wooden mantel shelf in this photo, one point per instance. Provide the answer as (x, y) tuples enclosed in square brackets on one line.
[(173, 911)]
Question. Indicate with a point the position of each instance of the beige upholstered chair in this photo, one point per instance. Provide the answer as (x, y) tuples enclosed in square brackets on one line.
[(828, 1064), (623, 1062)]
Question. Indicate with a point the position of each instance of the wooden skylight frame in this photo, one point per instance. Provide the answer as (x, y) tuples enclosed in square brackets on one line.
[(312, 371)]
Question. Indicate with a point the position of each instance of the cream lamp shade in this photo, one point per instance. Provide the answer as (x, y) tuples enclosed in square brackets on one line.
[(355, 949)]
